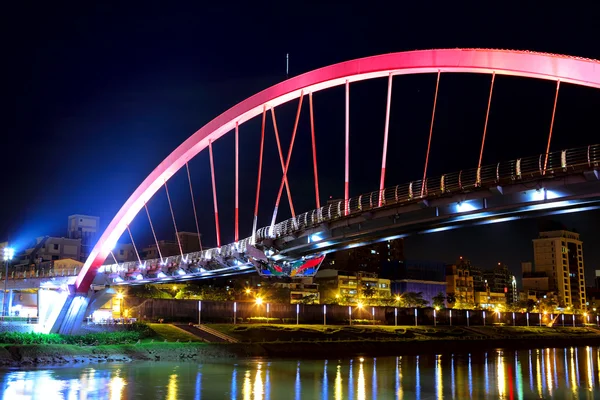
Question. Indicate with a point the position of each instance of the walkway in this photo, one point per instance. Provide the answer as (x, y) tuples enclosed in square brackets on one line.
[(207, 334)]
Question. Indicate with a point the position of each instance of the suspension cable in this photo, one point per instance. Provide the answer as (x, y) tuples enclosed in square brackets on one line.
[(347, 151), (551, 127), (174, 224), (437, 85), (314, 149), (154, 234), (194, 205), (385, 140), (134, 247), (287, 162), (214, 188), (487, 114), (237, 174), (287, 185), (260, 159)]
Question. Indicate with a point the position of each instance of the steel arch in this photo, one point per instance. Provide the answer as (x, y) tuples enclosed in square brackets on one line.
[(579, 71)]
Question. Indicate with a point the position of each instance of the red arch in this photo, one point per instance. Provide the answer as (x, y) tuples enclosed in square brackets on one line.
[(574, 70)]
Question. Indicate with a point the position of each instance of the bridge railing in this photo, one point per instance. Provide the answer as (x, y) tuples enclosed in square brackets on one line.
[(524, 169), (555, 164)]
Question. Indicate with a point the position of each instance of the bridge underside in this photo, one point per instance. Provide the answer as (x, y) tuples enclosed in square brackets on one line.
[(501, 204)]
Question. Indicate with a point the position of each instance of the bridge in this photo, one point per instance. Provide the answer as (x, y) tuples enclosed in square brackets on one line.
[(550, 182)]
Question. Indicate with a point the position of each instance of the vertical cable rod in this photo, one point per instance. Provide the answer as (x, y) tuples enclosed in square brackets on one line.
[(551, 127), (260, 160), (314, 149), (487, 115), (214, 189), (194, 205), (287, 162), (385, 140), (437, 85), (287, 185), (134, 246), (237, 175), (174, 224), (347, 151), (154, 234)]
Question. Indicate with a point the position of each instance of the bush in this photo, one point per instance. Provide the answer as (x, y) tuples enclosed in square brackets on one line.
[(123, 337)]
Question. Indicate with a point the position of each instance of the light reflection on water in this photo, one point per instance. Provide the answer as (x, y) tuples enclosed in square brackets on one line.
[(559, 373)]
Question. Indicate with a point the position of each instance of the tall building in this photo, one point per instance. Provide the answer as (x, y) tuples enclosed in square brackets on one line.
[(559, 255), (500, 280), (475, 272), (352, 285), (459, 286)]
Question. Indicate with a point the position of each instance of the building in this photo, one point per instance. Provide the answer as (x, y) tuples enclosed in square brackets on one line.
[(500, 280), (301, 292), (369, 258), (489, 300), (459, 286), (84, 228), (168, 248), (48, 248), (428, 278), (352, 286), (123, 252), (475, 272), (558, 255)]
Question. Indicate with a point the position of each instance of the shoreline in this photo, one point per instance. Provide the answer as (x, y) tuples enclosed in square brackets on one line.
[(60, 355)]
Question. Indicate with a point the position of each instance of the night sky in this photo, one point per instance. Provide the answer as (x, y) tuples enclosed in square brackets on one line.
[(97, 95)]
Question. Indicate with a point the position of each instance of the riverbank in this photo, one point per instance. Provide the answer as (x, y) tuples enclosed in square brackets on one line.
[(306, 342)]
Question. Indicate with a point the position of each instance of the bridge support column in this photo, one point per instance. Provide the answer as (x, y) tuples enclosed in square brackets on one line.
[(77, 307)]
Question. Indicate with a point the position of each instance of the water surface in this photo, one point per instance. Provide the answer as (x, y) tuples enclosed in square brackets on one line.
[(562, 373)]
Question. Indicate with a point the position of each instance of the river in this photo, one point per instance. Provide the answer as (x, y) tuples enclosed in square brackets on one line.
[(571, 373)]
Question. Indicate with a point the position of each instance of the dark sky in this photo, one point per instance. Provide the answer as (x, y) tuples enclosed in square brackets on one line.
[(97, 95)]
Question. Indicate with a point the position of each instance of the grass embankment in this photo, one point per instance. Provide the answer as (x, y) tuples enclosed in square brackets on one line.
[(318, 333), (171, 333), (147, 342)]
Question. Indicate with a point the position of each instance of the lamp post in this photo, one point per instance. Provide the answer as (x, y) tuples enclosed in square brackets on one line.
[(324, 314), (484, 318), (396, 316), (121, 298), (450, 317), (234, 312), (434, 317), (467, 317), (513, 319), (297, 314), (527, 319), (350, 314), (200, 312), (268, 313), (373, 314), (415, 316), (8, 253)]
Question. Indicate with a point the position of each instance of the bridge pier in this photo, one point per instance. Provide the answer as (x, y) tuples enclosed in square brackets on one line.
[(76, 308)]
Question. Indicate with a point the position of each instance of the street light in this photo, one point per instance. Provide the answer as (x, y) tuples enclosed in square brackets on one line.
[(120, 297), (8, 253)]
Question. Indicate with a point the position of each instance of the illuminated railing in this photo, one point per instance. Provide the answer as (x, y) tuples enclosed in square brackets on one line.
[(231, 256)]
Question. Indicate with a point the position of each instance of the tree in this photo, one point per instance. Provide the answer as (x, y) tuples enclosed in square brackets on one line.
[(147, 291), (368, 291), (439, 300), (413, 299)]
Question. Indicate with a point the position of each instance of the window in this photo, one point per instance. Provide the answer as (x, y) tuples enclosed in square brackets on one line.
[(55, 246), (54, 258), (121, 252)]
